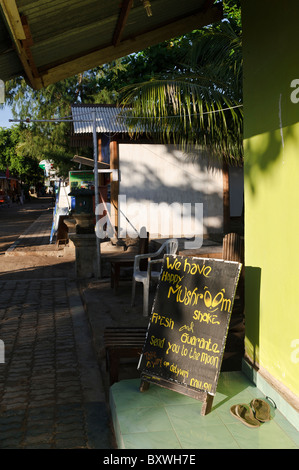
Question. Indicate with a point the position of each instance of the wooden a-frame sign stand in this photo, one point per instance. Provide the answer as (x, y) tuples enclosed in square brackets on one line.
[(187, 332), (200, 395)]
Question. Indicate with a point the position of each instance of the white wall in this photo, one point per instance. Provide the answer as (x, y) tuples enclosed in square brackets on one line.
[(64, 199), (156, 173)]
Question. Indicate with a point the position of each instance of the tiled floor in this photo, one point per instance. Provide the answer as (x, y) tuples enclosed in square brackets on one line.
[(162, 419)]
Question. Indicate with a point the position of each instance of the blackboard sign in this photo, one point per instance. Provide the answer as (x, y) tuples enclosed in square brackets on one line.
[(189, 322)]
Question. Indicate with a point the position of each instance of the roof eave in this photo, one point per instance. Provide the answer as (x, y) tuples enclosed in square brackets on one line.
[(39, 77)]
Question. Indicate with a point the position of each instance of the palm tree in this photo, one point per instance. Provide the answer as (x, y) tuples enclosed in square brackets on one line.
[(202, 105)]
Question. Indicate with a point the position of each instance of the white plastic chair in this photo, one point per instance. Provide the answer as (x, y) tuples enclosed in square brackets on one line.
[(169, 247)]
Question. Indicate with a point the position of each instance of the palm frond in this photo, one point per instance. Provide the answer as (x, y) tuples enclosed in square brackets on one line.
[(202, 106)]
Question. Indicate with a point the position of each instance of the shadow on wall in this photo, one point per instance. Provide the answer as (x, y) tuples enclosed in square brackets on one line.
[(263, 151), (252, 300), (149, 176), (270, 91)]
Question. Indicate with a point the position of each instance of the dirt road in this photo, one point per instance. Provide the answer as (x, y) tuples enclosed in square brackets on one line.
[(14, 220)]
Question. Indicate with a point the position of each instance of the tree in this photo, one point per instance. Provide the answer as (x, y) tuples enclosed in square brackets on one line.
[(201, 104), (12, 158), (41, 138), (51, 141), (174, 87)]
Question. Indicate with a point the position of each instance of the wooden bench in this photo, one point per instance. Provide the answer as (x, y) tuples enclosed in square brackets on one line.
[(122, 343), (233, 250), (233, 247), (126, 258)]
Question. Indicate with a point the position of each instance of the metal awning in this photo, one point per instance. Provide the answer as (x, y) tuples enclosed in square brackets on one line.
[(89, 162), (47, 41), (108, 119)]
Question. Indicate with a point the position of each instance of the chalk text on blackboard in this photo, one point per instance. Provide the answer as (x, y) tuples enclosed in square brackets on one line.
[(162, 320)]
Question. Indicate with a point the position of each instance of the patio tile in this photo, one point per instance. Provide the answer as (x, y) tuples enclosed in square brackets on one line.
[(152, 440), (171, 397), (267, 436), (206, 437), (140, 420), (287, 427), (160, 418), (128, 395), (195, 431)]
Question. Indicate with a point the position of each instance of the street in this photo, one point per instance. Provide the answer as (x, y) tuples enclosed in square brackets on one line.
[(51, 394), (14, 220)]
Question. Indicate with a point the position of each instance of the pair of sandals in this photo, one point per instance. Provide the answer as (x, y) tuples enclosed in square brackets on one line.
[(252, 415)]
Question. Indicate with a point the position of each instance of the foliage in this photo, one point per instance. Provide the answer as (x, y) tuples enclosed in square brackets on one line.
[(189, 107), (159, 82), (232, 10), (15, 160), (40, 138), (51, 141)]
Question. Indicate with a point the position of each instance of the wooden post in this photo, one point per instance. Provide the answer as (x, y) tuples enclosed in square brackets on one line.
[(99, 149), (226, 205), (100, 159), (144, 386), (96, 187), (114, 185), (207, 405)]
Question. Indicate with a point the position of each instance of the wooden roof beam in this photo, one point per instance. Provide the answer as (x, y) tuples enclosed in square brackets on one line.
[(90, 162), (18, 34), (13, 19), (54, 73), (26, 44), (121, 22)]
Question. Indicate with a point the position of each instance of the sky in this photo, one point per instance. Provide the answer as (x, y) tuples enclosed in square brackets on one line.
[(5, 115)]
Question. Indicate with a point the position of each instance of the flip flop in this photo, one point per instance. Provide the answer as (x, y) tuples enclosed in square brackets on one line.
[(245, 414), (261, 409)]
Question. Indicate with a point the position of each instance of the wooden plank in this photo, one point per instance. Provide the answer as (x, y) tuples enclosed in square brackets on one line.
[(125, 335), (13, 19), (26, 44), (123, 339), (193, 393), (106, 54), (89, 162), (28, 37), (18, 33), (226, 204), (114, 185), (121, 343), (121, 22)]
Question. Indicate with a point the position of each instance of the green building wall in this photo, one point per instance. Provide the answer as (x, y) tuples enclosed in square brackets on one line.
[(271, 173)]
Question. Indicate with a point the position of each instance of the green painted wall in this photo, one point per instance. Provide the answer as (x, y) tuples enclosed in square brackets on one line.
[(271, 172)]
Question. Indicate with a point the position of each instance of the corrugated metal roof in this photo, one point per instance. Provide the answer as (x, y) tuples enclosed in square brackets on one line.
[(10, 64), (108, 119), (49, 40)]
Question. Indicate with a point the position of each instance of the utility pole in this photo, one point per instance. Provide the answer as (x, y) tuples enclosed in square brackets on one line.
[(96, 188)]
